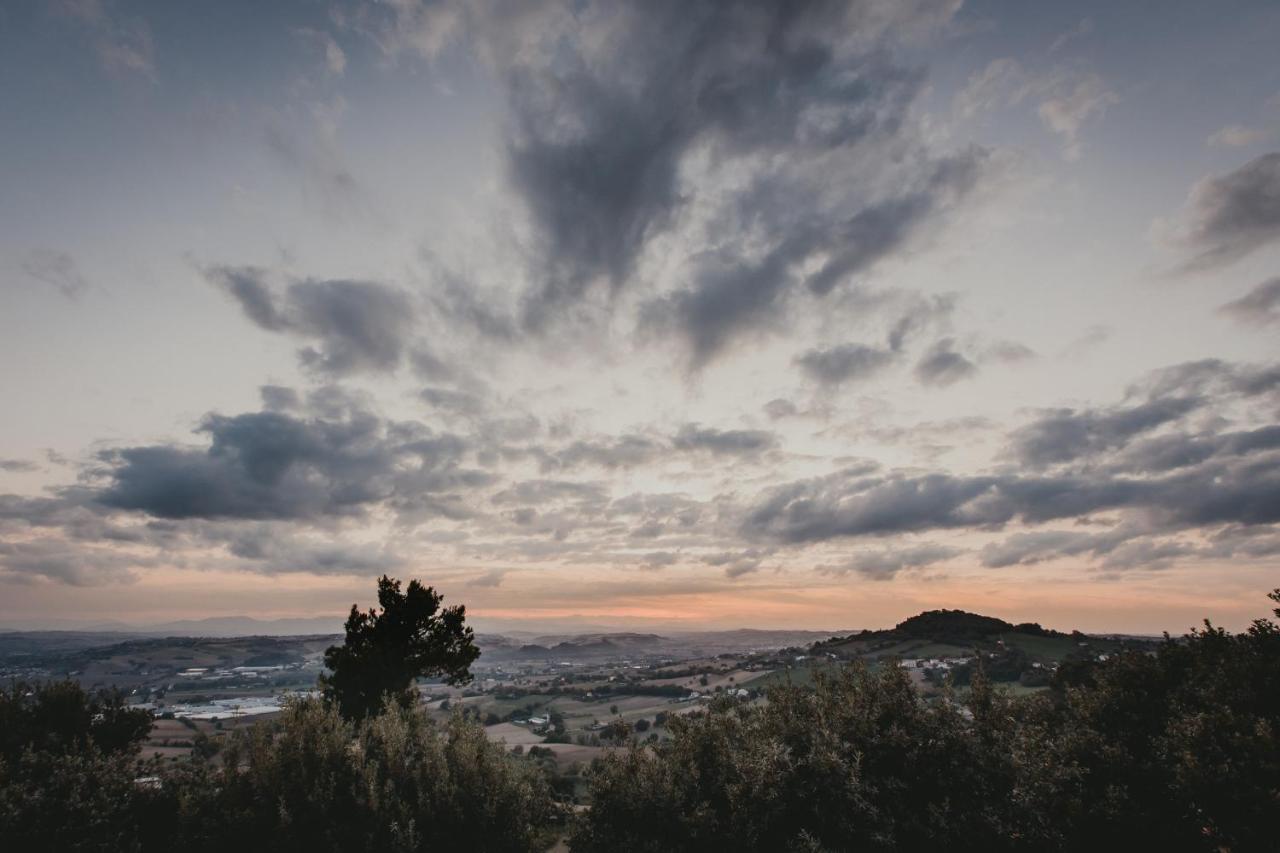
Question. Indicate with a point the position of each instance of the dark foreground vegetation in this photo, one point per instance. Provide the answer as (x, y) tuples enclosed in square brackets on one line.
[(1173, 750)]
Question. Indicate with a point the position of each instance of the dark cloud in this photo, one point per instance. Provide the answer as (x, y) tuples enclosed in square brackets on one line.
[(942, 365), (1036, 546), (278, 398), (924, 313), (56, 268), (885, 565), (18, 466), (610, 452), (1243, 491), (1259, 307), (779, 408), (1233, 215), (1112, 460), (268, 549), (738, 563), (356, 325), (541, 492), (634, 450), (732, 442), (614, 109), (68, 563), (1062, 435), (454, 401), (845, 363), (732, 295), (271, 465)]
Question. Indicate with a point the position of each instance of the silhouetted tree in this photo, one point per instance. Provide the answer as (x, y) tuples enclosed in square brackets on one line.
[(60, 717), (385, 651)]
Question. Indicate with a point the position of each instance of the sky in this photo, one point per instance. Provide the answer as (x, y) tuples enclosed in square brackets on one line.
[(668, 315)]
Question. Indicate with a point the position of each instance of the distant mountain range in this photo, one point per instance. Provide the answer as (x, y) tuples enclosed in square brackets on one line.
[(214, 626)]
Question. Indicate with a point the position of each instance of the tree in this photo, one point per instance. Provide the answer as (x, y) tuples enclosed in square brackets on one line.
[(60, 717), (385, 651)]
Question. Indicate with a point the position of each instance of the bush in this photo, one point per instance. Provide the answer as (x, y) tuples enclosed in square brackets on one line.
[(308, 782), (1177, 750)]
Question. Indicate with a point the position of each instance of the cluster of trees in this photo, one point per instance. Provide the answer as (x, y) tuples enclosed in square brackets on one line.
[(1176, 750), (309, 781), (1173, 750), (362, 769)]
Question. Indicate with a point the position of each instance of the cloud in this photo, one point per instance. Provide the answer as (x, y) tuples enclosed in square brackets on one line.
[(1228, 217), (1063, 435), (18, 466), (1237, 136), (271, 465), (886, 564), (733, 442), (123, 44), (846, 363), (1259, 307), (1066, 113), (1067, 99), (56, 268), (1009, 352), (491, 579), (1080, 30), (941, 365), (269, 548), (1105, 460), (455, 402), (61, 562), (326, 178), (610, 452), (709, 134), (357, 326), (335, 59), (738, 563), (1093, 337), (734, 293), (1233, 491)]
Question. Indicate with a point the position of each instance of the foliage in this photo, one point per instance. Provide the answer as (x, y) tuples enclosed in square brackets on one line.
[(385, 651), (61, 718), (308, 782), (1171, 750)]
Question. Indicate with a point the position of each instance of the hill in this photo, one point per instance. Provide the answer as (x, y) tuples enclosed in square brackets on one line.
[(960, 634)]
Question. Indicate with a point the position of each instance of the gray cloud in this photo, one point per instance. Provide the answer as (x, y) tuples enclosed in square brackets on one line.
[(624, 451), (270, 548), (18, 466), (942, 365), (271, 465), (614, 107), (1259, 307), (732, 442), (738, 563), (490, 579), (1244, 491), (64, 562), (356, 325), (1063, 435), (1106, 460), (845, 363), (1233, 215), (733, 294), (779, 408), (56, 268), (886, 564)]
